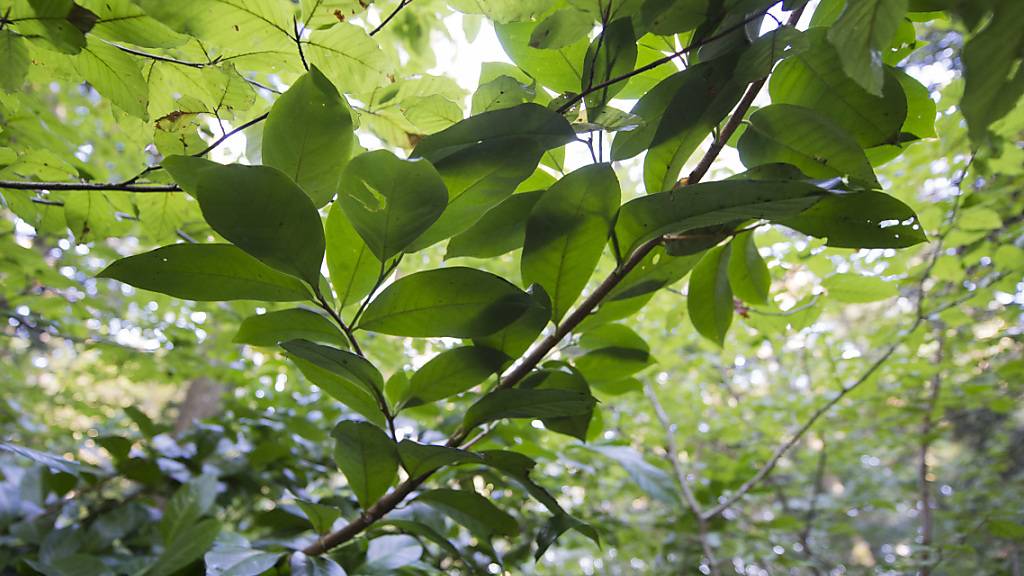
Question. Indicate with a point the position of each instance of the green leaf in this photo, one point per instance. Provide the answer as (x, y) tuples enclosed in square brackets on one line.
[(471, 510), (613, 352), (562, 28), (814, 79), (710, 204), (993, 75), (610, 55), (352, 60), (517, 337), (559, 69), (350, 390), (186, 548), (346, 365), (501, 230), (123, 21), (238, 560), (321, 516), (562, 377), (189, 503), (704, 95), (452, 372), (353, 268), (566, 233), (667, 17), (296, 323), (367, 457), (420, 459), (484, 158), (501, 92), (748, 273), (657, 270), (115, 75), (709, 297), (55, 20), (861, 35), (52, 461), (309, 136), (856, 289), (206, 272), (458, 302), (806, 139), (758, 61), (860, 220), (302, 565), (185, 170), (652, 480), (391, 201), (386, 554), (14, 61), (263, 212), (920, 106), (520, 403)]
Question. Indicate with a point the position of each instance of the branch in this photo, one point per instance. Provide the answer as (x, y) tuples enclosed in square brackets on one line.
[(513, 376), (119, 186), (394, 13), (684, 484), (924, 484)]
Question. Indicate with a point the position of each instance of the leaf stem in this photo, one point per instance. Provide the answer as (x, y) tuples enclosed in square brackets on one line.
[(322, 302)]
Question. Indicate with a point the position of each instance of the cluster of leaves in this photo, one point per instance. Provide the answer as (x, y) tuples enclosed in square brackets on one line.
[(422, 370)]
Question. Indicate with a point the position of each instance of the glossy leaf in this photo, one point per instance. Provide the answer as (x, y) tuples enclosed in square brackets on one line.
[(612, 352), (517, 337), (710, 204), (457, 301), (353, 267), (296, 323), (471, 510), (302, 565), (367, 457), (566, 233), (391, 201), (419, 459), (185, 548), (186, 171), (748, 273), (814, 79), (861, 34), (452, 372), (709, 297), (806, 139), (501, 230), (321, 516), (519, 403), (237, 560), (309, 136), (263, 212), (206, 272), (563, 378), (484, 158), (344, 364), (860, 220)]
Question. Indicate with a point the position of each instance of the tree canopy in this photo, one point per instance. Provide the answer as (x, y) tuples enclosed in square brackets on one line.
[(291, 287)]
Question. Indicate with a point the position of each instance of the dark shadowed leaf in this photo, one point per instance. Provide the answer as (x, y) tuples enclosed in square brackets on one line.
[(471, 510), (206, 272), (418, 459), (860, 220), (748, 273), (521, 403), (451, 372), (566, 233), (709, 297)]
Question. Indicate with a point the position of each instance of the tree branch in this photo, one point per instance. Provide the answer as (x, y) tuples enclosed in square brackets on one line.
[(526, 364), (924, 484), (684, 485), (95, 186)]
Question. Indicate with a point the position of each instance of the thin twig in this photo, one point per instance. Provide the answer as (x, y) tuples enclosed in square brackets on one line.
[(394, 13), (63, 186), (924, 483), (655, 63), (298, 43)]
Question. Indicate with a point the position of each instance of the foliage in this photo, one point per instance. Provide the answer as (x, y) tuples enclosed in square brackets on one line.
[(433, 342)]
